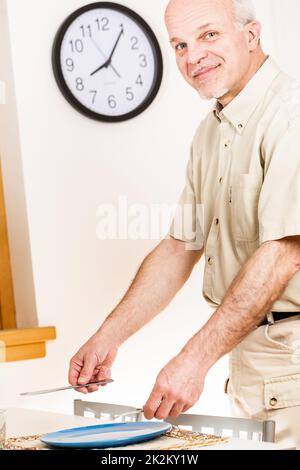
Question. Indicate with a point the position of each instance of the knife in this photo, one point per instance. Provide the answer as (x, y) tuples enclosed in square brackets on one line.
[(50, 390)]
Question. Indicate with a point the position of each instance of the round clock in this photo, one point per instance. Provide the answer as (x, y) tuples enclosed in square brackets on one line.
[(107, 62)]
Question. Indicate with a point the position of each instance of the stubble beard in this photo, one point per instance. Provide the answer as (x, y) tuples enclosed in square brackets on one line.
[(217, 94)]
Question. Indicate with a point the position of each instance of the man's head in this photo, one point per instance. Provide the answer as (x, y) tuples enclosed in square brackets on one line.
[(216, 43)]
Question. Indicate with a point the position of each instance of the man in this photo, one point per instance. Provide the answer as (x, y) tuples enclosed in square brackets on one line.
[(244, 170)]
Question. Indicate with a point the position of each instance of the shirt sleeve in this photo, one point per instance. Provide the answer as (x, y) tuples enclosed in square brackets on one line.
[(187, 224), (279, 201)]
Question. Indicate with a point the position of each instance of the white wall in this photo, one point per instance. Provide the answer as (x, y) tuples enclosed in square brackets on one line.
[(72, 164), (2, 92), (11, 163)]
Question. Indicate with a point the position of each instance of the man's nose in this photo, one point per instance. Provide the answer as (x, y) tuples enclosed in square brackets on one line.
[(196, 53)]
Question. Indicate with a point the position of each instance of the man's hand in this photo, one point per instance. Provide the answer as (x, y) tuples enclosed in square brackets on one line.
[(91, 363), (177, 388), (159, 278)]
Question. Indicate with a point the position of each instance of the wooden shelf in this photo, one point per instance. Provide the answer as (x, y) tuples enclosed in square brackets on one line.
[(22, 344)]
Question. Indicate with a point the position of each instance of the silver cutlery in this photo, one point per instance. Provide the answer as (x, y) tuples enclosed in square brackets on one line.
[(50, 390)]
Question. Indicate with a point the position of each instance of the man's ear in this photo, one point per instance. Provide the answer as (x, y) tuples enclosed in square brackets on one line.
[(254, 32)]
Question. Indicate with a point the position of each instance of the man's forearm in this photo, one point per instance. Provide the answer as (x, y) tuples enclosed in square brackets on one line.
[(259, 283), (161, 275)]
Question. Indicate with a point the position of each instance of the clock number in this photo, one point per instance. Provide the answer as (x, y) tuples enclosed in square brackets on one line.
[(139, 80), (70, 64), (129, 94), (94, 95), (89, 30), (104, 24), (79, 84), (112, 101), (134, 41), (77, 45), (143, 60)]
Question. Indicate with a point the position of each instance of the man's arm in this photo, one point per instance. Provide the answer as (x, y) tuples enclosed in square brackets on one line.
[(161, 275), (259, 283)]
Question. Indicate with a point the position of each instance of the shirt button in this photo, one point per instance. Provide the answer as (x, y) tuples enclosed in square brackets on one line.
[(240, 126), (210, 260), (217, 221), (220, 180), (273, 401), (226, 144)]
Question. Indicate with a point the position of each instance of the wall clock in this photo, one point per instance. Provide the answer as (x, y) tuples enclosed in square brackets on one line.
[(107, 62)]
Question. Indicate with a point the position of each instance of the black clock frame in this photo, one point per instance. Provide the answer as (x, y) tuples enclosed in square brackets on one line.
[(56, 63)]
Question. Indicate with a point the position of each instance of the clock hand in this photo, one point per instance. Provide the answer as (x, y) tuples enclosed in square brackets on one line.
[(99, 68), (100, 50), (116, 72), (106, 65), (108, 62), (117, 41)]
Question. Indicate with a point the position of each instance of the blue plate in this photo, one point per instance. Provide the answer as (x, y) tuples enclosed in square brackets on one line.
[(106, 435)]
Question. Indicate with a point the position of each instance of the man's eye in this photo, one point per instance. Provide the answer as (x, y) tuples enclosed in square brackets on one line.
[(210, 35), (179, 47)]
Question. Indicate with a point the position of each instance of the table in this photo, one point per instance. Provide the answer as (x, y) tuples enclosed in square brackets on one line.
[(23, 422)]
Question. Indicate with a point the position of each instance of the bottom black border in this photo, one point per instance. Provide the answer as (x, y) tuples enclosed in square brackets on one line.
[(131, 459)]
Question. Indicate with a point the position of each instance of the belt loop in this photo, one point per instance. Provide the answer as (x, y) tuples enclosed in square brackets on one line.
[(270, 318)]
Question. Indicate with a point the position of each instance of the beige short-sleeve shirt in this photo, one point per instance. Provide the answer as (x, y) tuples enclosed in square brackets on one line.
[(243, 181)]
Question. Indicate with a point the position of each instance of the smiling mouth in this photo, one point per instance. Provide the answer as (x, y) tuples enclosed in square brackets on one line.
[(202, 74)]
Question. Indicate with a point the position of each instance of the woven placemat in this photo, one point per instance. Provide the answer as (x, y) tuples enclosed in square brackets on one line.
[(175, 439), (25, 443)]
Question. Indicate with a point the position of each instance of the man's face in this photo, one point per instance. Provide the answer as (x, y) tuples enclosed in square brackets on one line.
[(211, 50)]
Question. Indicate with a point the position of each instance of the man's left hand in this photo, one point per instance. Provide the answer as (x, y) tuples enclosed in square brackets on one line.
[(177, 388)]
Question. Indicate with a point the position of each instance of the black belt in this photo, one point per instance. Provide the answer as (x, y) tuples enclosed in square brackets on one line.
[(280, 316)]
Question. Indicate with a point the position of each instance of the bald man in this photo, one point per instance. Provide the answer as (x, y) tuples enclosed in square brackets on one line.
[(243, 195)]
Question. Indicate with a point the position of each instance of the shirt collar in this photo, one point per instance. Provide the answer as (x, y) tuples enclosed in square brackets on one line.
[(240, 109)]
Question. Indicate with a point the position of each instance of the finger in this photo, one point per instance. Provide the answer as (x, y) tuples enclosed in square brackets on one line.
[(92, 388), (176, 410), (164, 409), (104, 370), (103, 373), (74, 371), (187, 407), (107, 376), (89, 388), (83, 390), (87, 370), (152, 404)]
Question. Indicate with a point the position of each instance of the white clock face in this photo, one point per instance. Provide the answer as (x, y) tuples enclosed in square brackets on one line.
[(108, 61)]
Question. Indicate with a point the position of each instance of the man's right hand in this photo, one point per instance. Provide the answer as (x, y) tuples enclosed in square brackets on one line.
[(91, 363)]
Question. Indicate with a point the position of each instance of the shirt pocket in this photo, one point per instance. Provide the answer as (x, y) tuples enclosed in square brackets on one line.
[(282, 392), (244, 198)]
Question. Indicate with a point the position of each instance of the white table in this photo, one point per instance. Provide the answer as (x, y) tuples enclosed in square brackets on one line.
[(23, 422)]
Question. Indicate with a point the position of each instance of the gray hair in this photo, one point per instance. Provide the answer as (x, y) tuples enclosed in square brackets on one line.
[(244, 11)]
